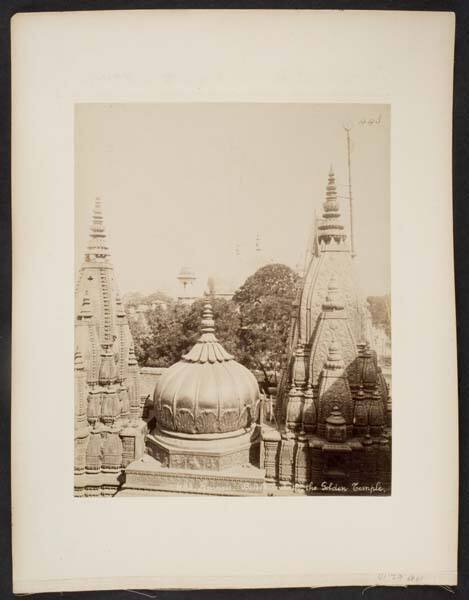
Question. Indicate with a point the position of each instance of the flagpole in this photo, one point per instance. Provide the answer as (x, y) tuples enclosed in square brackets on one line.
[(352, 246)]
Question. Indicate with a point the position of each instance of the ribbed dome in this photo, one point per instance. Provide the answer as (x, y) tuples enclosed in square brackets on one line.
[(207, 391)]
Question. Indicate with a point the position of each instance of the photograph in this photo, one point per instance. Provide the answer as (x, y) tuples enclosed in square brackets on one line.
[(232, 299)]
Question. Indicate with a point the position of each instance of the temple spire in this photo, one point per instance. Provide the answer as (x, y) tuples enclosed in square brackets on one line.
[(331, 206), (97, 246), (330, 228)]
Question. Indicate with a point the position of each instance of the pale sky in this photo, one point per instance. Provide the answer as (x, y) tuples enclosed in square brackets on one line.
[(183, 184)]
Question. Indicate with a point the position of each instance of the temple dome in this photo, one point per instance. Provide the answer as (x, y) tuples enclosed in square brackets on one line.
[(207, 391)]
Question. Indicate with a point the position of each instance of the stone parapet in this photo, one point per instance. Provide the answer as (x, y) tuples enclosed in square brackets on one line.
[(150, 475)]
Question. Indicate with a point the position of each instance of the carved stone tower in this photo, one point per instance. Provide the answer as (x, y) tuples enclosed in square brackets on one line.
[(333, 398), (108, 427)]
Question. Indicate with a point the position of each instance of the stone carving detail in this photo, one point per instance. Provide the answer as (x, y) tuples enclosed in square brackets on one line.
[(110, 406), (112, 451), (376, 415), (184, 420), (302, 463), (326, 333), (309, 411), (244, 419), (294, 408), (165, 417), (94, 407), (80, 393), (287, 453), (360, 415), (128, 449), (124, 404), (370, 369), (229, 420), (271, 460), (207, 421), (94, 452), (81, 443)]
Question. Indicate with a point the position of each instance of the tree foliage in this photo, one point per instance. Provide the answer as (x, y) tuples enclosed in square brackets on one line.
[(265, 302), (136, 298), (163, 335), (380, 309), (253, 325)]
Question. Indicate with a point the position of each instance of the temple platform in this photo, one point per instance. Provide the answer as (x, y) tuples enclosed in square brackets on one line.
[(148, 476)]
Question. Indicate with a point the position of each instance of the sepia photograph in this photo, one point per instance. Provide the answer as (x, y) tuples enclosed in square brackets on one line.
[(233, 310), (234, 322)]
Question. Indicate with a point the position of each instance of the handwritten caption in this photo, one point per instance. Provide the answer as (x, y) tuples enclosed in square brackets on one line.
[(353, 488)]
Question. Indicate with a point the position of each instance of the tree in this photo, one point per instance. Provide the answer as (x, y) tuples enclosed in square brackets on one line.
[(253, 326), (265, 304), (158, 296), (140, 335), (380, 309), (133, 299), (170, 332), (164, 340)]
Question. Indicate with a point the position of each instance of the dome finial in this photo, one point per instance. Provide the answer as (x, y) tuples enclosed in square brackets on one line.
[(208, 323), (207, 348)]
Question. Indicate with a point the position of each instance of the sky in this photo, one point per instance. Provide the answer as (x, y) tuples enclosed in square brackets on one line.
[(185, 183)]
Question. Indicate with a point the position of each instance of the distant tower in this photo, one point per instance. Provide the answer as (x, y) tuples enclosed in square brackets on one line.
[(187, 278), (259, 259), (258, 243)]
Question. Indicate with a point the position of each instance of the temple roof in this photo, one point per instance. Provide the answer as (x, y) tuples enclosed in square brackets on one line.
[(207, 391)]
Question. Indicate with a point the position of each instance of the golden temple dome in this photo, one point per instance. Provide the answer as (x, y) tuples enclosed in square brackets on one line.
[(207, 391)]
